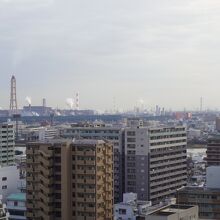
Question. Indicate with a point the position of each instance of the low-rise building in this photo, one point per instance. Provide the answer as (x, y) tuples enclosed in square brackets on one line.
[(16, 206), (130, 208), (133, 209), (206, 198), (174, 212)]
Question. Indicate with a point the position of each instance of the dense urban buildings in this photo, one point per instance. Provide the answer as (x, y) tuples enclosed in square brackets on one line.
[(207, 198), (7, 143), (148, 160), (70, 180), (114, 134), (133, 209)]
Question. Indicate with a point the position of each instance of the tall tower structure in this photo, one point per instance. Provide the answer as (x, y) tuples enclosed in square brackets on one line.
[(13, 97), (44, 102), (201, 104), (77, 101)]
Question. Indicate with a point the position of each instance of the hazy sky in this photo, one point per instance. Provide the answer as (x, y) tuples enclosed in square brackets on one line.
[(165, 52)]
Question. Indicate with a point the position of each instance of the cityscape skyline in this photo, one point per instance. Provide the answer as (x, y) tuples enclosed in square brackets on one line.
[(73, 103), (164, 52), (109, 110)]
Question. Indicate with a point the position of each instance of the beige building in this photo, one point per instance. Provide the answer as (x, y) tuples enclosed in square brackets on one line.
[(174, 212), (70, 180), (101, 131)]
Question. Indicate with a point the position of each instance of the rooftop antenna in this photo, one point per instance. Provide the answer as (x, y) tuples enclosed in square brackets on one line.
[(201, 104)]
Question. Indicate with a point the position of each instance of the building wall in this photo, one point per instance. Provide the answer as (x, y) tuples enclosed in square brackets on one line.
[(206, 199), (137, 162), (188, 214), (9, 181), (92, 194), (168, 167), (17, 209), (213, 151), (114, 135), (155, 161), (124, 212), (213, 180), (61, 177)]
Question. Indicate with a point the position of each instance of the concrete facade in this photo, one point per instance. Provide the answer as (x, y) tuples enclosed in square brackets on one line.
[(70, 180), (7, 144), (9, 181), (155, 161), (212, 177), (101, 131), (175, 212), (16, 206), (213, 151), (205, 198)]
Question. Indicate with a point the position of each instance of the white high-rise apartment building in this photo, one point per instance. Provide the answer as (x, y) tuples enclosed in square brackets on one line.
[(7, 143)]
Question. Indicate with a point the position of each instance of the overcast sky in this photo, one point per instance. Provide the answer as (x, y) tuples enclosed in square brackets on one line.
[(165, 52)]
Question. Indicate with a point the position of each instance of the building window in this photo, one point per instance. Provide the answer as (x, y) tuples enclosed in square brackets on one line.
[(4, 178), (15, 203), (4, 187), (122, 211)]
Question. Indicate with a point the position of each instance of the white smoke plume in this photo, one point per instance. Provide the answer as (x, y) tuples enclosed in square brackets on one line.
[(141, 101), (70, 102), (28, 100)]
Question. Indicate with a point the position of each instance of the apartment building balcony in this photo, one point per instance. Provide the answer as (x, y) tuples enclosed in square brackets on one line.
[(170, 174), (163, 169), (162, 164), (45, 179), (167, 187), (171, 179), (168, 157)]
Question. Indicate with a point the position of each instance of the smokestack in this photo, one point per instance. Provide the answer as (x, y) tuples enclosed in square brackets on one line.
[(44, 103), (201, 104)]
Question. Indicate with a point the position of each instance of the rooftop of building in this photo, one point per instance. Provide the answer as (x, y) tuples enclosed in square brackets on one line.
[(199, 189), (51, 141), (91, 142), (87, 142), (214, 137), (171, 209), (17, 197)]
